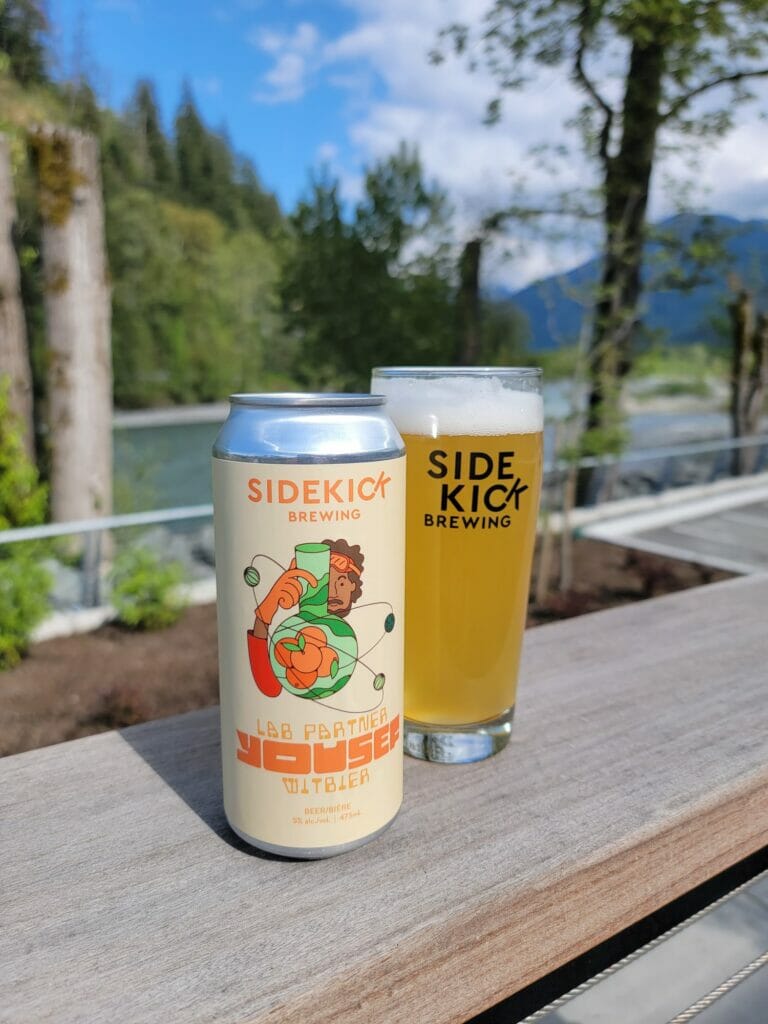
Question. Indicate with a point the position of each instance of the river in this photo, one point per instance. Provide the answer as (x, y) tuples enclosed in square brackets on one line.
[(168, 464)]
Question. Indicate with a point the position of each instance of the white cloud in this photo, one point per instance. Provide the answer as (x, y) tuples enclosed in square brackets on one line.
[(295, 59), (730, 177), (441, 109), (327, 153), (303, 39), (395, 94)]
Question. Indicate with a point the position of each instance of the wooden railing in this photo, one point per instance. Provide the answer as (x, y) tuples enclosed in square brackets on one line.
[(638, 769)]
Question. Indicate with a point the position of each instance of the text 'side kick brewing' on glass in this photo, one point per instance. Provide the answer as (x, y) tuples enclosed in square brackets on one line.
[(474, 443), (309, 505)]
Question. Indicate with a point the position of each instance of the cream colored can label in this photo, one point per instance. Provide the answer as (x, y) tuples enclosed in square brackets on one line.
[(310, 569)]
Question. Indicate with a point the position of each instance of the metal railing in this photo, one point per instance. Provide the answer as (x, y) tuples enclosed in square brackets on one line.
[(606, 480), (79, 526), (92, 530), (604, 484)]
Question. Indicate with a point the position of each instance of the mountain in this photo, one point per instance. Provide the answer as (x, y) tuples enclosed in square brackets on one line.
[(677, 316)]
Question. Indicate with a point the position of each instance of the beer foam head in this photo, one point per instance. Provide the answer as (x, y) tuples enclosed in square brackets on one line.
[(456, 404)]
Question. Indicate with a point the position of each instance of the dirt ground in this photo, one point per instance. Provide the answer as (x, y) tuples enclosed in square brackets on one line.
[(111, 678)]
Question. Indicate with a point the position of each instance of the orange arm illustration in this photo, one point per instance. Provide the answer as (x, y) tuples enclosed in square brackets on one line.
[(285, 593)]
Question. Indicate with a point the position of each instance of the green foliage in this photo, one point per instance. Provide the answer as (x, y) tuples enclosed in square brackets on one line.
[(702, 43), (690, 362), (157, 165), (399, 207), (562, 363), (24, 588), (193, 306), (504, 336), (22, 28), (678, 388), (373, 288), (193, 265), (692, 371), (651, 73), (22, 497), (145, 589), (24, 584), (194, 274), (210, 174)]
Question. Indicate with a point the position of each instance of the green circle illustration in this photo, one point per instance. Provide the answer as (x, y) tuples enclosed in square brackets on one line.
[(378, 682), (313, 656), (252, 576), (389, 623)]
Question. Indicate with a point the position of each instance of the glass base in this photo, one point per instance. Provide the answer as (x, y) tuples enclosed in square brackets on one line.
[(458, 744)]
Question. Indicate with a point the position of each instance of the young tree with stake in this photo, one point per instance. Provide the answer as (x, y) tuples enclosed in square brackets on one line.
[(683, 68)]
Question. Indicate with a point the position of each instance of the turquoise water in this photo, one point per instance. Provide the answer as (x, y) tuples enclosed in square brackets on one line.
[(163, 467), (168, 466)]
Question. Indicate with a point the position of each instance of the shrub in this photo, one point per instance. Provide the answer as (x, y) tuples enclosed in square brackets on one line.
[(24, 584), (145, 589), (24, 588), (23, 498)]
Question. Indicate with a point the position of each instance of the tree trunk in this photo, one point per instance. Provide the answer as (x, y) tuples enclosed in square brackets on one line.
[(14, 354), (77, 314), (749, 375), (470, 336), (626, 182)]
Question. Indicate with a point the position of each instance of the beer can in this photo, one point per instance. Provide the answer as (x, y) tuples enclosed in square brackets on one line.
[(309, 513)]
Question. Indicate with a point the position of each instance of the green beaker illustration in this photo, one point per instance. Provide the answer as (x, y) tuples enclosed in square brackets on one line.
[(316, 559), (310, 631)]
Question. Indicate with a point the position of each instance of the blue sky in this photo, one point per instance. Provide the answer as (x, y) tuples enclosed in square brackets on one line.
[(228, 50), (300, 83)]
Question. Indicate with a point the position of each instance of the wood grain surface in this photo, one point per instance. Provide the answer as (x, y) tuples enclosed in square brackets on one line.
[(637, 770)]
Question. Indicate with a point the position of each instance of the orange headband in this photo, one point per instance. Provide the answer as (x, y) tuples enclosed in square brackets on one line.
[(343, 563)]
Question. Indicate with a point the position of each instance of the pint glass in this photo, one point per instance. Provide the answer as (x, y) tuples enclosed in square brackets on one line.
[(473, 439)]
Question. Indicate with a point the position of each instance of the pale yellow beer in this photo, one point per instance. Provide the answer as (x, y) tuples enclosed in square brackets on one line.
[(473, 478), (467, 576)]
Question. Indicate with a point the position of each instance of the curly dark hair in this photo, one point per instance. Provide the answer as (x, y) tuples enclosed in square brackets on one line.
[(341, 547)]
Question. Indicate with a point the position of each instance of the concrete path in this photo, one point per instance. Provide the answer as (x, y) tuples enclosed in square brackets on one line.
[(727, 531)]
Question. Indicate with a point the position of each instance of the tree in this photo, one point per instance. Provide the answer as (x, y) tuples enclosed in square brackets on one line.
[(205, 163), (14, 354), (399, 209), (77, 315), (469, 302), (193, 155), (159, 168), (749, 374), (261, 207), (24, 583), (667, 55), (375, 287), (23, 25), (193, 306), (212, 175)]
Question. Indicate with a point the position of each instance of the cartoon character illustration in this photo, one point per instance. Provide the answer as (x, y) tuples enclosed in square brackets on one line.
[(313, 652)]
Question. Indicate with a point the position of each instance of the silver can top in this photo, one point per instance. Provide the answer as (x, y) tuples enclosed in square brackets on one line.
[(290, 399), (306, 428)]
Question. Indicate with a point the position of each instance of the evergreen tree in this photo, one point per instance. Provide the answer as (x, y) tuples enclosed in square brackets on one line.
[(261, 207), (376, 290), (399, 206), (23, 25), (159, 164), (194, 156), (212, 176)]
